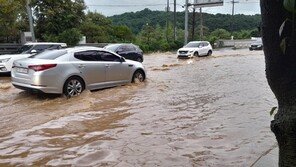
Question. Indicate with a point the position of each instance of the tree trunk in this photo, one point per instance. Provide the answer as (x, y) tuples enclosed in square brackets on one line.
[(281, 76)]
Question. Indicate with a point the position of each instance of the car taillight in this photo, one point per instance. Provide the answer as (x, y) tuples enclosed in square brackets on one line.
[(42, 67)]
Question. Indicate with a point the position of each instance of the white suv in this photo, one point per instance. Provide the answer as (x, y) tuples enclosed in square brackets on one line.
[(195, 48), (26, 51)]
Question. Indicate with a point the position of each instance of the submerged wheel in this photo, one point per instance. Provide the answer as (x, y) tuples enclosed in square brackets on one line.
[(196, 54), (138, 76), (74, 86), (209, 53)]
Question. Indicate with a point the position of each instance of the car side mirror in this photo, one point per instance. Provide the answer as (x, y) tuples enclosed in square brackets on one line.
[(33, 51)]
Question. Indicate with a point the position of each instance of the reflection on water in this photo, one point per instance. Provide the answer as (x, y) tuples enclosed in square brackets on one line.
[(208, 111)]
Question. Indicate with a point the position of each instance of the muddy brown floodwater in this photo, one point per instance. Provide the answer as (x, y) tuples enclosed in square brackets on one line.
[(210, 111)]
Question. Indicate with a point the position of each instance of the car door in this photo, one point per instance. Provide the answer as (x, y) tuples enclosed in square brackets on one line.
[(89, 65), (117, 71), (201, 49)]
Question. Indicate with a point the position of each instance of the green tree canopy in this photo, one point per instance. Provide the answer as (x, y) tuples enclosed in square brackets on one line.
[(56, 17)]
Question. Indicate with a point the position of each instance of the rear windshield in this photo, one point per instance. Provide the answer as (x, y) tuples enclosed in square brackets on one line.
[(112, 48), (50, 55)]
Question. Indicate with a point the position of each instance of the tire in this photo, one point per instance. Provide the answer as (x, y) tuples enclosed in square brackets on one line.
[(196, 54), (138, 76), (73, 86), (209, 53)]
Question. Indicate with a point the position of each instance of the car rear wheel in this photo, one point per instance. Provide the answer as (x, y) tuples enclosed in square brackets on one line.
[(209, 53), (74, 86), (138, 76)]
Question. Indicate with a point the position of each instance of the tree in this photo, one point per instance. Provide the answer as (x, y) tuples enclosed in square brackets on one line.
[(280, 57), (12, 19), (95, 27), (56, 17), (221, 34)]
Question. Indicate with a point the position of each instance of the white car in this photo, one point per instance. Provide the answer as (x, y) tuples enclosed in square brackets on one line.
[(195, 48), (26, 51)]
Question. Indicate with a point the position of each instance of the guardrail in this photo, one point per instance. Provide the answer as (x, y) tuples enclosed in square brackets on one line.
[(9, 48)]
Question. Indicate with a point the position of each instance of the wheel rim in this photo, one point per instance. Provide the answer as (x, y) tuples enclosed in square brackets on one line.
[(210, 53), (74, 87), (139, 77)]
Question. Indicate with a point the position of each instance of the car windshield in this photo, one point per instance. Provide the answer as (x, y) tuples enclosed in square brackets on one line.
[(24, 49), (112, 47), (50, 54), (192, 45)]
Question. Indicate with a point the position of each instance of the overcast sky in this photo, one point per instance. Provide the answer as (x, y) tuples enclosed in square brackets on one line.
[(113, 7)]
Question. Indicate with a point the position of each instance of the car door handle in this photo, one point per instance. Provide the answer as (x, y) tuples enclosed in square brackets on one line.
[(107, 66), (81, 65)]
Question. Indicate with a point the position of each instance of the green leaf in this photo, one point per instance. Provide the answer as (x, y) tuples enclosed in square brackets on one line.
[(289, 5), (272, 110)]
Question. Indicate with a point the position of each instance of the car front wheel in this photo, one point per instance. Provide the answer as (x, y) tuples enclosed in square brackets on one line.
[(138, 76), (74, 86), (209, 53)]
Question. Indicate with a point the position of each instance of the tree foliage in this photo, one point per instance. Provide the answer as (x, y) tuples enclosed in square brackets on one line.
[(136, 20), (12, 17), (55, 18)]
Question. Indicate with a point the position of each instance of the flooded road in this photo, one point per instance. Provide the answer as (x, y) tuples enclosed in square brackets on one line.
[(208, 111)]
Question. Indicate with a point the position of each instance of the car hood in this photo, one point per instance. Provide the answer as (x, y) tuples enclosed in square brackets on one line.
[(14, 55)]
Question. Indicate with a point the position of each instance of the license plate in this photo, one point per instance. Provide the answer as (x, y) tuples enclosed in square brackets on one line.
[(22, 70)]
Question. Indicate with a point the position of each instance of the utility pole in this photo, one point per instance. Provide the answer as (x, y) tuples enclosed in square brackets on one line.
[(29, 11), (201, 24), (193, 24), (167, 20), (186, 23), (175, 20), (233, 2)]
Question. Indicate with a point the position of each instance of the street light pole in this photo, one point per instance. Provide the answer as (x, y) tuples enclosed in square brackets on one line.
[(29, 11)]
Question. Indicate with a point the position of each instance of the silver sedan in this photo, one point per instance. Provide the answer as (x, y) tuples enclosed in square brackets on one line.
[(70, 71)]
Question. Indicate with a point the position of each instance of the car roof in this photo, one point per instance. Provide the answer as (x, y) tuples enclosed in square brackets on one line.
[(46, 43), (84, 48), (198, 41)]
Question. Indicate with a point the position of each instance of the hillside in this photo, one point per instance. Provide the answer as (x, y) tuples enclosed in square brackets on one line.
[(136, 20)]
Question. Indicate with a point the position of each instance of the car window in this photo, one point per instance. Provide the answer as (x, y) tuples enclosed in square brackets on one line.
[(113, 47), (122, 48), (130, 48), (106, 56), (52, 47), (87, 56), (40, 48), (192, 45), (24, 48), (51, 54), (206, 44)]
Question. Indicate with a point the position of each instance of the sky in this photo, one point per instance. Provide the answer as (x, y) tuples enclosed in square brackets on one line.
[(115, 7)]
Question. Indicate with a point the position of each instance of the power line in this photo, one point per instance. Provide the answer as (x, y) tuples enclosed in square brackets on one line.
[(127, 5)]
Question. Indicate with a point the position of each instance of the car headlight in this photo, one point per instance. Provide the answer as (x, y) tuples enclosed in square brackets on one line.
[(4, 60), (258, 46), (190, 51)]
